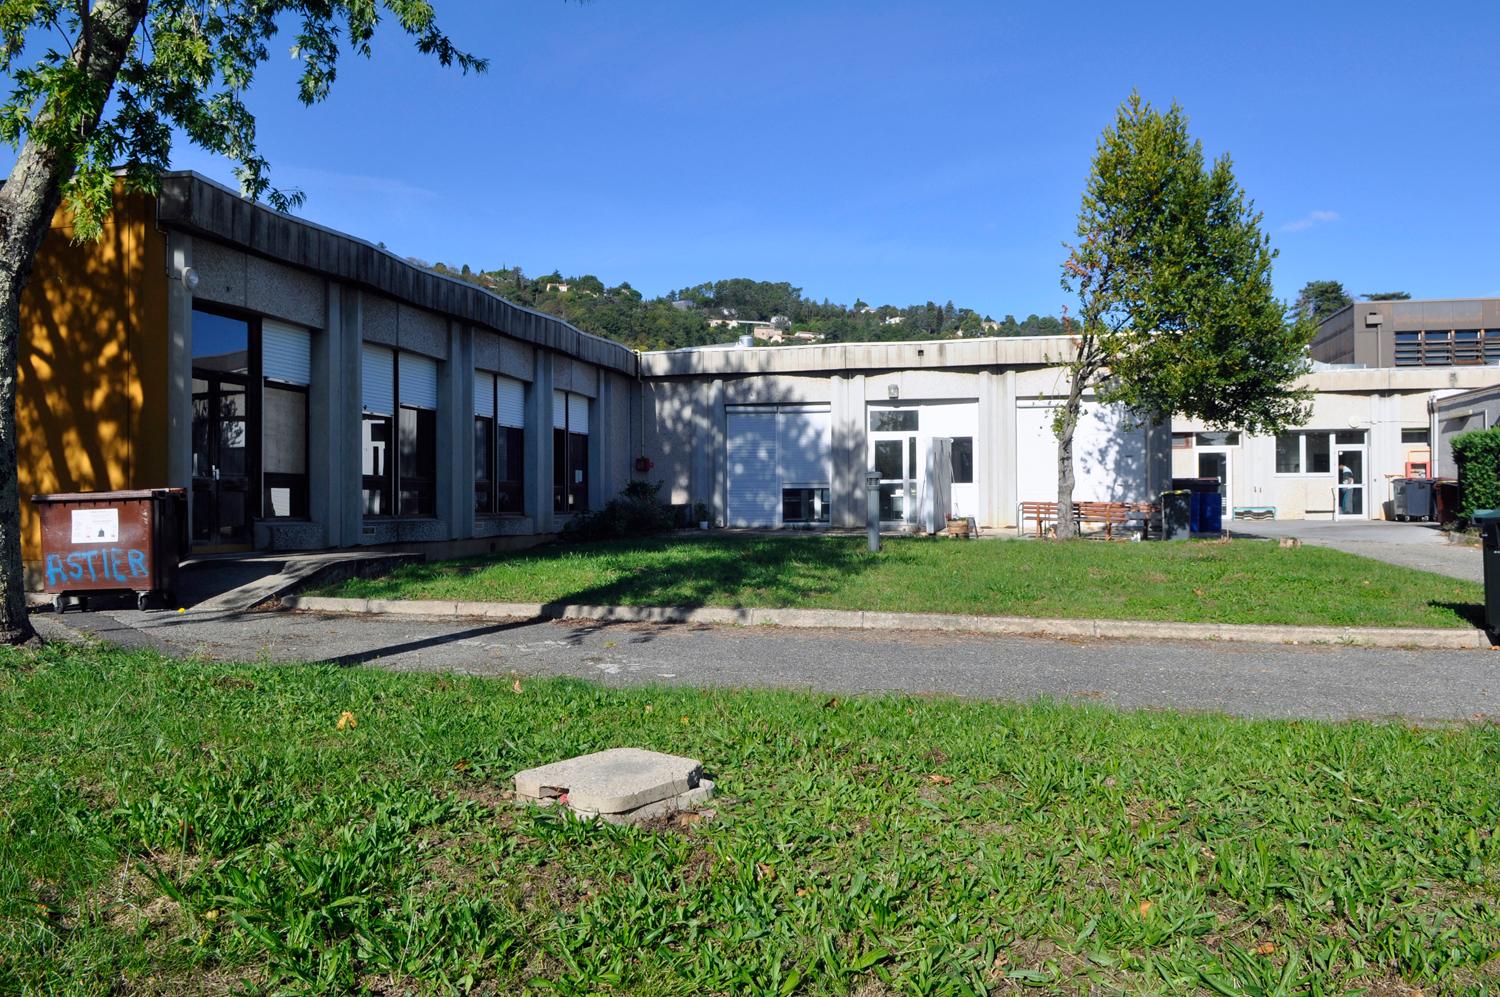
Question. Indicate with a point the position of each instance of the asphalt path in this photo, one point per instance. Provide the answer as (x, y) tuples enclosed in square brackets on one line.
[(1243, 679)]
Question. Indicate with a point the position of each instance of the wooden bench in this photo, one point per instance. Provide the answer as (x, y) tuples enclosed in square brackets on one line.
[(1107, 514)]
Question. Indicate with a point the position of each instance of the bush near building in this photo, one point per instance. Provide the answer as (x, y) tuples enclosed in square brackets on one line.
[(1477, 455)]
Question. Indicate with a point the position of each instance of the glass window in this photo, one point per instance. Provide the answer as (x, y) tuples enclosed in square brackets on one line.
[(804, 505), (284, 451), (1317, 453), (578, 467), (1218, 439), (1289, 453), (893, 420), (221, 343), (375, 465), (1414, 435), (484, 456), (963, 460), (510, 467), (1347, 436), (418, 459), (888, 459), (1182, 441)]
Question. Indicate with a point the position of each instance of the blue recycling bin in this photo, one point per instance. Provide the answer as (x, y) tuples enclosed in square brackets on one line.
[(1207, 513)]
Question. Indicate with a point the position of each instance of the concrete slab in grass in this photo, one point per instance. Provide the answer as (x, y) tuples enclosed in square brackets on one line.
[(611, 782)]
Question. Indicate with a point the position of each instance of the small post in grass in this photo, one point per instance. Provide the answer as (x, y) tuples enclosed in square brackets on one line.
[(872, 508)]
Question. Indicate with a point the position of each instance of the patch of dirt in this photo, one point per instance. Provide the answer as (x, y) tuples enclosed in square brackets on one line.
[(485, 795), (234, 682)]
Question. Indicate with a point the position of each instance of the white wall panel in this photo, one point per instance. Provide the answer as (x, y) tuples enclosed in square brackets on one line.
[(377, 379)]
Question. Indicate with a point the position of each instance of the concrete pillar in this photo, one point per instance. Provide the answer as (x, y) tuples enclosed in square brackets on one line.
[(718, 453), (327, 398), (995, 449), (179, 398), (600, 459), (346, 526), (455, 433), (850, 451), (538, 442)]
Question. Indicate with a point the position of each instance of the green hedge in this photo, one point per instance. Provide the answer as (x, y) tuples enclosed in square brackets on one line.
[(1477, 455)]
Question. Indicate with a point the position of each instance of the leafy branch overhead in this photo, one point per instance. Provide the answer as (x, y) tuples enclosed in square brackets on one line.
[(188, 68)]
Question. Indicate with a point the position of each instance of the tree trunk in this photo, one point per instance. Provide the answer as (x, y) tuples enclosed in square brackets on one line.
[(1065, 426), (28, 201)]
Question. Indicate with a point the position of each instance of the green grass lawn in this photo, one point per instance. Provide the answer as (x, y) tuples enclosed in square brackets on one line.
[(171, 827), (1240, 582)]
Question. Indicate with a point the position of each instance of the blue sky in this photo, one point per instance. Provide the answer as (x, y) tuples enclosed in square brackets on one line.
[(898, 151)]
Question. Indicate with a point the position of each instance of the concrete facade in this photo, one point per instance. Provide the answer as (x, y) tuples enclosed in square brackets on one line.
[(1434, 333)]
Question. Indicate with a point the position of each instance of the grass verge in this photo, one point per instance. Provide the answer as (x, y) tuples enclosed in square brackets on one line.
[(1241, 582), (178, 826)]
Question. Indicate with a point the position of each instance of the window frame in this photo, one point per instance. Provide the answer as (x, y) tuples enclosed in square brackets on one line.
[(423, 487), (500, 482), (393, 483), (570, 453), (1332, 438), (299, 482)]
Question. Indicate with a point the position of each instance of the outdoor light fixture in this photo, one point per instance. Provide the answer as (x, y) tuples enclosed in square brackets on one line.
[(189, 278), (893, 392)]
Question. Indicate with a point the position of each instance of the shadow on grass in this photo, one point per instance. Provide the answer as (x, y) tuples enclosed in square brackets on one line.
[(1469, 612)]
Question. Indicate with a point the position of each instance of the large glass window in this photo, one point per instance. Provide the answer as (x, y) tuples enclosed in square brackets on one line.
[(1311, 452), (418, 442), (499, 444), (804, 505), (375, 465), (570, 452), (893, 420), (284, 451), (963, 460)]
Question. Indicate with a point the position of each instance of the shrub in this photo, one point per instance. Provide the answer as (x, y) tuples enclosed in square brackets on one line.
[(636, 512), (1477, 455)]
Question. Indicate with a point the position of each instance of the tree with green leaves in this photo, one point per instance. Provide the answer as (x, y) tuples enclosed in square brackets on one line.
[(1176, 309), (1321, 298), (96, 95), (1388, 296)]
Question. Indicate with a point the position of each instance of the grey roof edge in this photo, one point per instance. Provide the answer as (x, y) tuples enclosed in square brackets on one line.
[(991, 351), (193, 203)]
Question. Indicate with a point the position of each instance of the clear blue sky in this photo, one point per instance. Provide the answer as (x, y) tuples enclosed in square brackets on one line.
[(899, 151)]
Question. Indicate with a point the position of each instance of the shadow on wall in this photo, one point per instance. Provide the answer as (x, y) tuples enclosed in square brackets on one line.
[(1113, 458), (93, 327)]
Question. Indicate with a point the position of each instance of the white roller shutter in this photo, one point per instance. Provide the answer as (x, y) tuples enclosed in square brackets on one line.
[(802, 444), (377, 380), (754, 482), (578, 414), (484, 394), (419, 381), (285, 352), (511, 398), (559, 409)]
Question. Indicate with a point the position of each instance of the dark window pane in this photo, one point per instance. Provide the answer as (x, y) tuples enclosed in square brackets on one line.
[(418, 461), (559, 470), (484, 456), (963, 460), (1289, 453), (219, 343), (375, 465), (893, 420), (511, 465), (1318, 454), (888, 459), (578, 478)]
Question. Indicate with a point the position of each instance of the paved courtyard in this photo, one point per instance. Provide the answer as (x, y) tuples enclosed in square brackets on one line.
[(1250, 680), (1410, 545)]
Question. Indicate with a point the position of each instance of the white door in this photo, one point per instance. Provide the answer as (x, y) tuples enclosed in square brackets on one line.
[(754, 479), (1349, 493), (1216, 463)]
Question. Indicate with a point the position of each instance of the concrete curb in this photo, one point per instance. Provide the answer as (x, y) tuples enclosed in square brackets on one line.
[(836, 619)]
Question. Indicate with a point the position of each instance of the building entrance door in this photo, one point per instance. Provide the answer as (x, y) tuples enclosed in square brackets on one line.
[(1215, 464), (221, 460), (893, 454), (1349, 493)]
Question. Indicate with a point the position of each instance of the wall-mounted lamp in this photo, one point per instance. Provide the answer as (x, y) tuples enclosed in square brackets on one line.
[(893, 392), (189, 278)]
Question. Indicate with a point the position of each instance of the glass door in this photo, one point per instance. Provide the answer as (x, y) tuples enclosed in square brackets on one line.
[(1215, 464), (1349, 495), (893, 455), (225, 432)]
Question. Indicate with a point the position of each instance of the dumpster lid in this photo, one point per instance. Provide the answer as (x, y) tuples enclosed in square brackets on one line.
[(139, 493), (1485, 515)]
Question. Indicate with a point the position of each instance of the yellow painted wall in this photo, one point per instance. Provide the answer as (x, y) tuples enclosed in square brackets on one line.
[(91, 401)]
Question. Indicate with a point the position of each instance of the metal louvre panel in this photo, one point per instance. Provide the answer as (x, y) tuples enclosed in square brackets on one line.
[(419, 381), (559, 409), (754, 480), (377, 379), (484, 394), (578, 414), (802, 443), (511, 399), (285, 352)]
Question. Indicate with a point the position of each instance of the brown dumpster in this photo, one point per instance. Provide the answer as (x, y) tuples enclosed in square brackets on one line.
[(126, 541)]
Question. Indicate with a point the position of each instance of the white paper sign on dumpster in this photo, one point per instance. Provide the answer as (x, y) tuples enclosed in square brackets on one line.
[(96, 526)]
